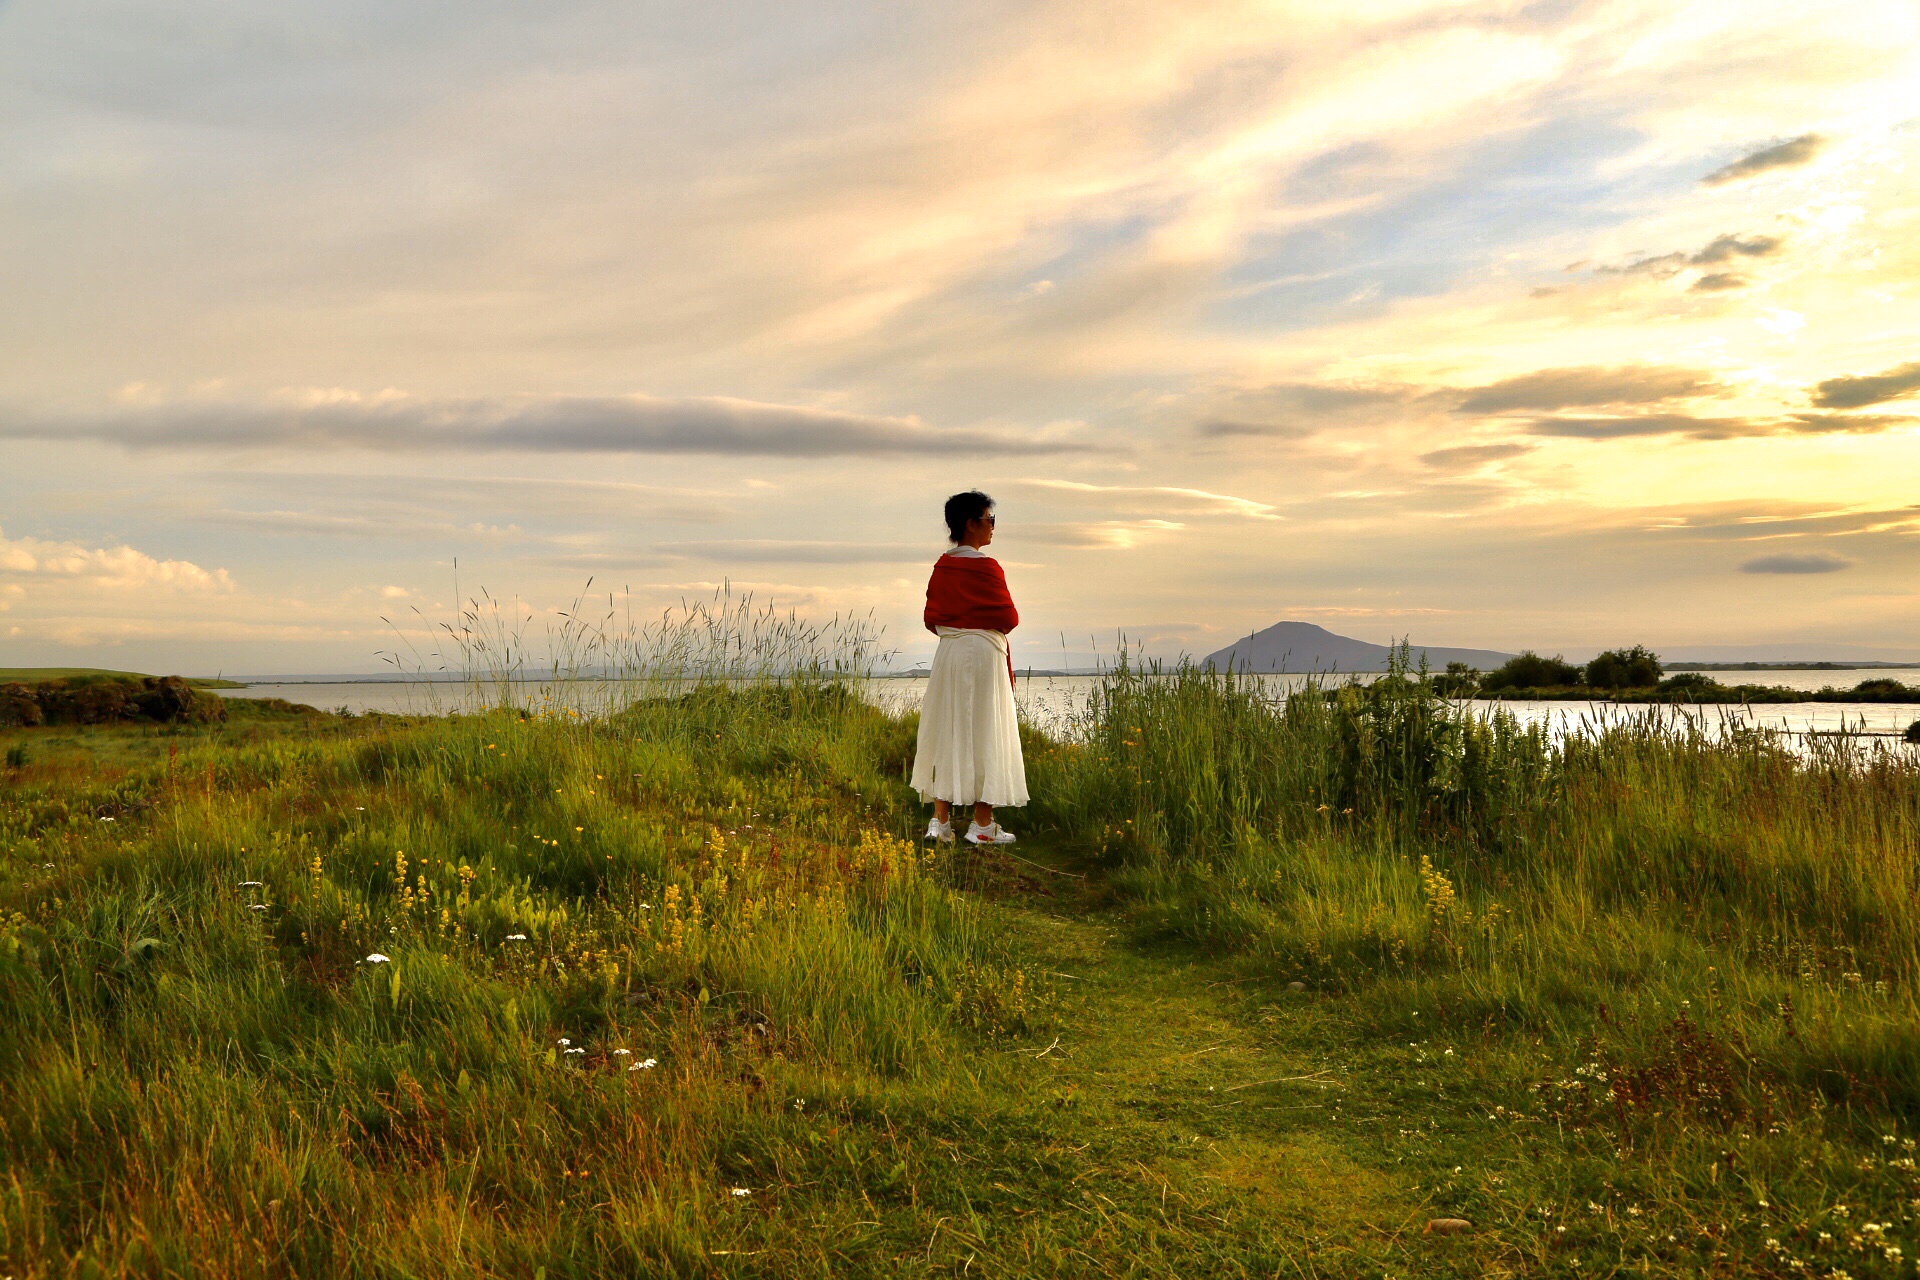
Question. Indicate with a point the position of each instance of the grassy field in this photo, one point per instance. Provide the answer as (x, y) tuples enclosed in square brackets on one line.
[(34, 675), (1263, 991)]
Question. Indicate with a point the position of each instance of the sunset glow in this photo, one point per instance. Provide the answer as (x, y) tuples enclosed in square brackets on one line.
[(1559, 325)]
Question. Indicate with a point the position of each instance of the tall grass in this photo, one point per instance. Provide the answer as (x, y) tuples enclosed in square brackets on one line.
[(597, 655), (522, 989), (1384, 839)]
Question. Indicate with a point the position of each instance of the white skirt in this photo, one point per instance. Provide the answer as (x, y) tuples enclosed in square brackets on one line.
[(969, 746)]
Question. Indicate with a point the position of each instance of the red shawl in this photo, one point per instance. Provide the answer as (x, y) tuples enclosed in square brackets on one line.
[(970, 592)]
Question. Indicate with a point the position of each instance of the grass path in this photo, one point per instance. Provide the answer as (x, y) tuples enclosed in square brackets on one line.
[(1181, 1116)]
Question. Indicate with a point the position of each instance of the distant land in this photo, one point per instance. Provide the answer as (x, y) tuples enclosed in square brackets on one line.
[(1792, 666), (34, 675), (1302, 646)]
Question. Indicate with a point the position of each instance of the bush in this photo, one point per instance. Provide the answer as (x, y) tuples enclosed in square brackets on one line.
[(17, 706), (1531, 671), (1688, 685), (1635, 668), (108, 700), (1458, 681)]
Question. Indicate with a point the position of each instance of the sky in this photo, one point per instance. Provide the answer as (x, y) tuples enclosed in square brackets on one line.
[(1559, 325)]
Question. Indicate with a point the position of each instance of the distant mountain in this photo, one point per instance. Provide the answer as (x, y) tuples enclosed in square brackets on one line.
[(1301, 646)]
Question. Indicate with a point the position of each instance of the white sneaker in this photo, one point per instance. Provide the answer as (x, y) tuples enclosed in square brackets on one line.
[(989, 834), (940, 831)]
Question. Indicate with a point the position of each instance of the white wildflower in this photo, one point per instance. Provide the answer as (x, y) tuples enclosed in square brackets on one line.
[(377, 958), (516, 937), (741, 1191)]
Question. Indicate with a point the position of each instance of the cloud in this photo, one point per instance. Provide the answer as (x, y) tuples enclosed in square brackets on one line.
[(1650, 424), (119, 567), (1296, 410), (1781, 155), (1722, 248), (1165, 499), (386, 495), (1728, 247), (1660, 265), (549, 424), (1104, 535), (1473, 455), (785, 551), (1760, 524), (1790, 562), (1266, 430), (1852, 392), (382, 526), (1718, 281), (1862, 423), (1564, 388)]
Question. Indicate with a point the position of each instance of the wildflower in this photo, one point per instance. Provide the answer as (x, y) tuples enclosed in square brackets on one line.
[(255, 884), (741, 1191), (256, 906), (106, 819), (377, 958), (647, 1065), (572, 1051), (564, 1042), (623, 1053), (516, 937)]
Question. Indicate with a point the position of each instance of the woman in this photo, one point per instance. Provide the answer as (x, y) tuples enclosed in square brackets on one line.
[(969, 751)]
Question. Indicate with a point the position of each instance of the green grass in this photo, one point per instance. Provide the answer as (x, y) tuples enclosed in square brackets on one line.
[(34, 675), (1082, 1056)]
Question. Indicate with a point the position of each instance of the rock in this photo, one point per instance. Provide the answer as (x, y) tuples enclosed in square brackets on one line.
[(171, 700), (88, 699), (17, 706), (1447, 1227), (1296, 986)]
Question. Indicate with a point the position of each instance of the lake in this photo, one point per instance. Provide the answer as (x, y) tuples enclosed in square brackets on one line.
[(1055, 701)]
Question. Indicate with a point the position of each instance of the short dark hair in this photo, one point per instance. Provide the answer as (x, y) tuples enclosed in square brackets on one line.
[(963, 508)]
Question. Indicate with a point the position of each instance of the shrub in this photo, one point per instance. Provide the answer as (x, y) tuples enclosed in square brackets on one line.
[(1635, 668), (1688, 685), (17, 706), (1458, 681), (1531, 671)]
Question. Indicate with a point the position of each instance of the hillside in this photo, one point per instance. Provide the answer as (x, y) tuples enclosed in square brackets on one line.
[(1302, 646), (35, 675)]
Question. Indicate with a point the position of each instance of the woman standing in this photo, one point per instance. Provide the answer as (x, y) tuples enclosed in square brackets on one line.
[(969, 749)]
